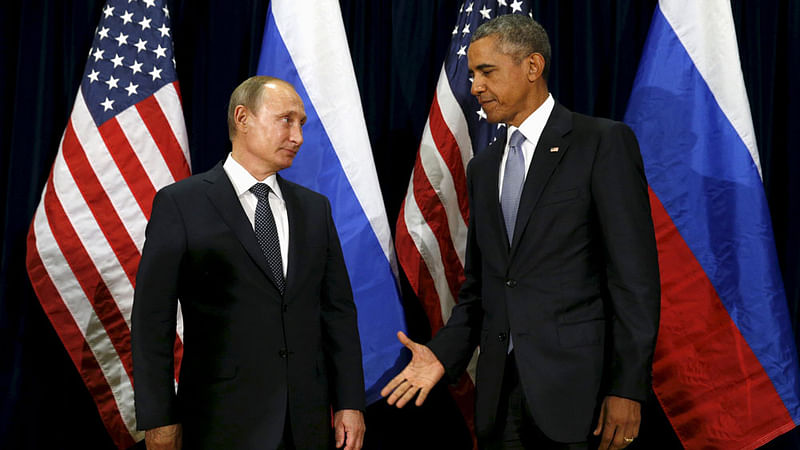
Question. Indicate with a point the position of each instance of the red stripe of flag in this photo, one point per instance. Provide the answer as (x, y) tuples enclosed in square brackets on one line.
[(98, 202), (418, 274), (159, 128), (432, 210), (448, 148), (88, 277), (76, 346), (693, 354), (178, 91), (129, 165)]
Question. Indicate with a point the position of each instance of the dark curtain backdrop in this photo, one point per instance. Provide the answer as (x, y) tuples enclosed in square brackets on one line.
[(397, 49)]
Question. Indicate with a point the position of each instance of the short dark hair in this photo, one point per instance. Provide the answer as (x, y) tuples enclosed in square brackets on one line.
[(518, 36)]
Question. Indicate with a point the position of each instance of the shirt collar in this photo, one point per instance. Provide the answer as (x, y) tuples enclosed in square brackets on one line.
[(242, 181), (533, 125)]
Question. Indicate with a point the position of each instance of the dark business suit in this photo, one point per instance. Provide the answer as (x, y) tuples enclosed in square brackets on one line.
[(249, 353), (578, 287)]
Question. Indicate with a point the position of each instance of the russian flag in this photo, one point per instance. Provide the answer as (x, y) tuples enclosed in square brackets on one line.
[(307, 46), (725, 369)]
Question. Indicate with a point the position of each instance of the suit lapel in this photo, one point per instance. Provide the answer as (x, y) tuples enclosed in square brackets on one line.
[(495, 150), (544, 163), (223, 197)]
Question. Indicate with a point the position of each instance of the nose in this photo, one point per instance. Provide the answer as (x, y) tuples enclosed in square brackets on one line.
[(477, 86), (296, 134)]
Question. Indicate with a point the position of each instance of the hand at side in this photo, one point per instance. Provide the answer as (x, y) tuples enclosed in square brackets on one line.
[(168, 437), (348, 426), (619, 422), (419, 376)]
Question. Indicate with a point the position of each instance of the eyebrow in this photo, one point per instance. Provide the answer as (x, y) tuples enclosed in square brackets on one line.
[(484, 66)]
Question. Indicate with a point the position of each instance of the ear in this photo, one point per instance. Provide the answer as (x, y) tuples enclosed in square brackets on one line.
[(535, 66), (240, 118)]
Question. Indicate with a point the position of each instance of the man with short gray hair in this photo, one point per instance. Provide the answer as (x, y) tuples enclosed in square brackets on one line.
[(271, 343), (562, 286)]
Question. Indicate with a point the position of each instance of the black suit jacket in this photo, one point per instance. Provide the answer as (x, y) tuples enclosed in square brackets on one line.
[(249, 353), (578, 288)]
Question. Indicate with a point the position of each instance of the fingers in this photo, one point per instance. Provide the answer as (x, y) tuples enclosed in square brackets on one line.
[(390, 386), (609, 430), (423, 394)]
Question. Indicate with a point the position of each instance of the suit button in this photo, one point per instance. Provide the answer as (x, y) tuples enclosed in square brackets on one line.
[(511, 283), (502, 337), (283, 353)]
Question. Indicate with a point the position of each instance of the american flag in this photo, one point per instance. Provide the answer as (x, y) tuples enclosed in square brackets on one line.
[(124, 140), (431, 233)]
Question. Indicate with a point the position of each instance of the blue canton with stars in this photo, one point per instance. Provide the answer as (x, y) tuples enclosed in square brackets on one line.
[(471, 15), (130, 59)]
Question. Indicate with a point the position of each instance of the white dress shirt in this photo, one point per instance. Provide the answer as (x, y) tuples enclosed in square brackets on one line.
[(531, 128), (242, 181)]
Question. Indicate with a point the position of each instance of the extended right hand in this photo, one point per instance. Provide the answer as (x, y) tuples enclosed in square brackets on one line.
[(419, 376), (168, 437)]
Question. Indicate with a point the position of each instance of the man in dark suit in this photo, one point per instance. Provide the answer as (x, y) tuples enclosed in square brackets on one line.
[(562, 286), (271, 343)]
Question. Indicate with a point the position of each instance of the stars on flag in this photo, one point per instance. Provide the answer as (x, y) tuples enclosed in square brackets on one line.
[(486, 12), (137, 34), (122, 39), (126, 17), (117, 60)]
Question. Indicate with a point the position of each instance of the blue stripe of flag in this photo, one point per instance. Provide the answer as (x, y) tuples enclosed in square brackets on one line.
[(702, 172), (317, 166)]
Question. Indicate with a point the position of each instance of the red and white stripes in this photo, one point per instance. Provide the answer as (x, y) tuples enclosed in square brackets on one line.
[(87, 234), (431, 236)]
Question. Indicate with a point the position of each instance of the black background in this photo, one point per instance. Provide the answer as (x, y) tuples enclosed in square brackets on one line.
[(397, 48)]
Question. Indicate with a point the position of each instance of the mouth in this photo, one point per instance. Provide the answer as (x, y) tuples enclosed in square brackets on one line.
[(485, 102)]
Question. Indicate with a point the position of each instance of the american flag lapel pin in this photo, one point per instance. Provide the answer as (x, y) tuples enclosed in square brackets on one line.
[(553, 149)]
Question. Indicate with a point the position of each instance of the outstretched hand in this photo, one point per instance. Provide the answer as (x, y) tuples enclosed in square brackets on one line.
[(419, 376)]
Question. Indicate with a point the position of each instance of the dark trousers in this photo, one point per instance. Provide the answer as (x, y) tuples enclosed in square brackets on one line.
[(515, 427)]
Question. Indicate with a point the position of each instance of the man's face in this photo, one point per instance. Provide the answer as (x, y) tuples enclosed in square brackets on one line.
[(274, 130), (501, 86)]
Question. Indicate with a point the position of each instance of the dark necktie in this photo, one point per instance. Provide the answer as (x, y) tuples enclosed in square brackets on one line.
[(267, 233), (513, 179)]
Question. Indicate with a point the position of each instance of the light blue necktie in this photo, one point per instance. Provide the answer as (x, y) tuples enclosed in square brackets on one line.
[(513, 179)]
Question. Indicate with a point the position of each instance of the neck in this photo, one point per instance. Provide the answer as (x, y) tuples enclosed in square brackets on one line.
[(536, 99), (255, 167)]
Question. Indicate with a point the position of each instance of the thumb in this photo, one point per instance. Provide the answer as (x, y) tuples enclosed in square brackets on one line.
[(405, 340), (339, 434), (600, 420)]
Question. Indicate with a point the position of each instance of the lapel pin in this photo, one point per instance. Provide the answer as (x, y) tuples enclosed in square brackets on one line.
[(553, 149)]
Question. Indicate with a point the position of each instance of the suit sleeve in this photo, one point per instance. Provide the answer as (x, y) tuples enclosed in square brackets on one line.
[(620, 195), (454, 344), (153, 327), (340, 339)]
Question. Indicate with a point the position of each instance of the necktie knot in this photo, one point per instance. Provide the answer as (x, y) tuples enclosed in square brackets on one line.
[(516, 139), (261, 190)]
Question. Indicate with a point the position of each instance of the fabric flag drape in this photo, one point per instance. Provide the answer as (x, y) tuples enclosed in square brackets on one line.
[(307, 46), (431, 229), (725, 369), (124, 140)]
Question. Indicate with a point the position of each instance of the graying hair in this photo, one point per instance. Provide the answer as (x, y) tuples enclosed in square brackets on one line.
[(248, 94), (518, 36)]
